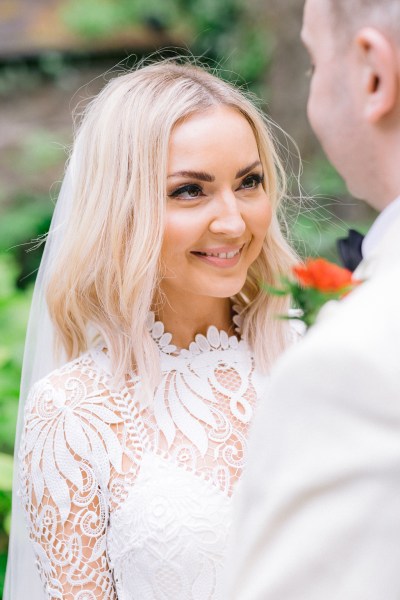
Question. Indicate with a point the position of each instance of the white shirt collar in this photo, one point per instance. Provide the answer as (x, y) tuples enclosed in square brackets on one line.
[(379, 227)]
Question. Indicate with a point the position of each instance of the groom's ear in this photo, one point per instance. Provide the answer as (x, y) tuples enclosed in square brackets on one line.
[(377, 59)]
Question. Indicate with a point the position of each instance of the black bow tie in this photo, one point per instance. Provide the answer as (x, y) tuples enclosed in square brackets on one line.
[(350, 249)]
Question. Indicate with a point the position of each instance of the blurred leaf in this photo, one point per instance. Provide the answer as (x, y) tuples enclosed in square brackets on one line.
[(227, 32), (7, 522), (8, 271), (8, 422), (14, 308), (6, 472), (15, 79), (52, 64), (3, 562), (93, 18), (253, 54), (27, 217), (322, 179), (39, 151), (166, 13)]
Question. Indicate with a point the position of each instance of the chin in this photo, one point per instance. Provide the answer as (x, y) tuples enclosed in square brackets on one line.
[(227, 290)]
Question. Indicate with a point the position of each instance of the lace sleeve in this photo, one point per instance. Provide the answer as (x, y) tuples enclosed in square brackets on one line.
[(63, 477)]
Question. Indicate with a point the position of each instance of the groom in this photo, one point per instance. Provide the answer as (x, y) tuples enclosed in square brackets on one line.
[(320, 511)]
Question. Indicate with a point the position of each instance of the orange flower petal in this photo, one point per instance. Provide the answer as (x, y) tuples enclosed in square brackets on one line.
[(323, 275)]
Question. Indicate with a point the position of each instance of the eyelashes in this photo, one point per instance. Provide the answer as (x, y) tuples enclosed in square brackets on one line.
[(192, 191), (255, 179)]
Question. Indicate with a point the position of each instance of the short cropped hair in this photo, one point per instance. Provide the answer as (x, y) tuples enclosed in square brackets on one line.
[(383, 14)]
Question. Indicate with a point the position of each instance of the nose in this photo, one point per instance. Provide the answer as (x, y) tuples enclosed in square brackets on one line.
[(227, 218)]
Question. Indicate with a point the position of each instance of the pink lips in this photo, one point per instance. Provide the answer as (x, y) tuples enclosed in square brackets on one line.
[(224, 263)]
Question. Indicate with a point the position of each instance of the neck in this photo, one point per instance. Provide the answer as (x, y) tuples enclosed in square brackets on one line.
[(186, 317)]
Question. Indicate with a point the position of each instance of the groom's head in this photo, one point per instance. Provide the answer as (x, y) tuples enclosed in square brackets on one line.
[(354, 102), (350, 15)]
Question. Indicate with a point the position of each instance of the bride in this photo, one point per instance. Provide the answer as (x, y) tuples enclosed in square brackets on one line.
[(131, 450)]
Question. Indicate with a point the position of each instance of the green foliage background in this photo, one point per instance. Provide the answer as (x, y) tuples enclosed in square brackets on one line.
[(228, 34)]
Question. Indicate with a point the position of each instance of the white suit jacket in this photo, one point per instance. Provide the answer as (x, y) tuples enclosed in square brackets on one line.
[(319, 511)]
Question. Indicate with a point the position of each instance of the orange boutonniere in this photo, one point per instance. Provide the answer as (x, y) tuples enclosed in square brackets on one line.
[(312, 285)]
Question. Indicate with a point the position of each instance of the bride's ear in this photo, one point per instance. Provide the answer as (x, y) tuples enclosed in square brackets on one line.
[(379, 73)]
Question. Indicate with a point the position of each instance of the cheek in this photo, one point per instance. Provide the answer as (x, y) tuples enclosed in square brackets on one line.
[(260, 222), (318, 103), (181, 229), (170, 238)]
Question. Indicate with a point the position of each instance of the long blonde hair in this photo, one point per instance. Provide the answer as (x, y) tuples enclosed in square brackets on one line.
[(107, 268)]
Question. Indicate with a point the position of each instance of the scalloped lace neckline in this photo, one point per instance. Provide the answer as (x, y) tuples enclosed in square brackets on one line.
[(215, 339)]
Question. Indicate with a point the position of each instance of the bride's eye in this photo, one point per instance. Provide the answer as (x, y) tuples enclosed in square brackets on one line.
[(187, 192), (251, 182)]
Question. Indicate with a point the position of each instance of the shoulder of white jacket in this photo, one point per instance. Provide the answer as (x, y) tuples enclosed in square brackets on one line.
[(385, 256)]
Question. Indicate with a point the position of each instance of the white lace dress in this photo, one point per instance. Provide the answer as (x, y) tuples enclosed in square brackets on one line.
[(134, 503)]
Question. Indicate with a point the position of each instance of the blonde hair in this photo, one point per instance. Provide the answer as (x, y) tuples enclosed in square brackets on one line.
[(108, 263)]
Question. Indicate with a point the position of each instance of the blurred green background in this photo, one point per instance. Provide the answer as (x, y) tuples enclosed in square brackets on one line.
[(55, 54)]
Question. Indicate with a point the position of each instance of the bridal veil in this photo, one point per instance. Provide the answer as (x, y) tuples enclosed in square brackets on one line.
[(22, 577)]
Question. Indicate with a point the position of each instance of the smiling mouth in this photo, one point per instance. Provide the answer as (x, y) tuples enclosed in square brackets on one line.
[(225, 259), (219, 254)]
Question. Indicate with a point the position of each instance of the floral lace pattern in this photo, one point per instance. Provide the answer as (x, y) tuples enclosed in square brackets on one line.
[(133, 502)]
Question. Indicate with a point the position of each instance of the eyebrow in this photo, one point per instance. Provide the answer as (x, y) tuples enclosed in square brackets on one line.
[(247, 169), (201, 176), (194, 175)]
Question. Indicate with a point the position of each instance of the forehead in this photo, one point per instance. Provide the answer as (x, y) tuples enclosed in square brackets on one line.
[(216, 125), (215, 139)]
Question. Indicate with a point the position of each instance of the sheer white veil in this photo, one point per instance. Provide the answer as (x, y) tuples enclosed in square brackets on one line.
[(22, 577)]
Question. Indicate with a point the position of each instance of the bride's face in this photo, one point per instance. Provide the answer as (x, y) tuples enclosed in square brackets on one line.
[(218, 212)]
